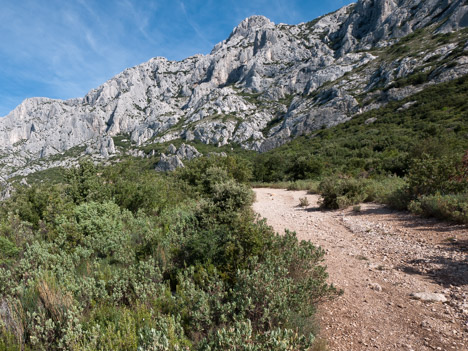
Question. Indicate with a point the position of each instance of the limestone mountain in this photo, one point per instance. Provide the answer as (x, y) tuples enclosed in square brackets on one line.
[(264, 85)]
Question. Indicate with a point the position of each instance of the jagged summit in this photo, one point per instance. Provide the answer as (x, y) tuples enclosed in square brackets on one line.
[(264, 85), (373, 21), (251, 24), (247, 29)]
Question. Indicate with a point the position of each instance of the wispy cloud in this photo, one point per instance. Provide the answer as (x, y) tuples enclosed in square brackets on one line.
[(193, 25), (62, 49)]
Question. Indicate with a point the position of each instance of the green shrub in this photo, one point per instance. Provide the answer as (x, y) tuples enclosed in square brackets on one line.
[(339, 193), (231, 196), (263, 291), (305, 167), (242, 337), (202, 171), (85, 184), (142, 190), (428, 176), (451, 207), (153, 262), (8, 250), (399, 198), (304, 202), (38, 203), (379, 189)]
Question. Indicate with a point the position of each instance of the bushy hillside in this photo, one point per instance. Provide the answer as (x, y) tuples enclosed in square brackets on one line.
[(411, 154), (118, 258), (381, 141)]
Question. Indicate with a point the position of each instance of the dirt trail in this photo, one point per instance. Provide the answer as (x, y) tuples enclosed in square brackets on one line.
[(380, 257)]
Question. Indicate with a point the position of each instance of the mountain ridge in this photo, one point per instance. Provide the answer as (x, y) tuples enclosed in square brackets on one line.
[(264, 85)]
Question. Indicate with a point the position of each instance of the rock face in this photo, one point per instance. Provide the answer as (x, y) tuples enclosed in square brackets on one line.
[(175, 157), (263, 85), (102, 146), (373, 22)]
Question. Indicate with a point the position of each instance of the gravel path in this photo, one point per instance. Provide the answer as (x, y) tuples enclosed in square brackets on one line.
[(380, 258)]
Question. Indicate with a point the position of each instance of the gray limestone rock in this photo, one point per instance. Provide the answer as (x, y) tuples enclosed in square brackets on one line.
[(176, 156), (102, 146), (429, 297), (187, 152), (171, 149), (168, 163), (264, 85)]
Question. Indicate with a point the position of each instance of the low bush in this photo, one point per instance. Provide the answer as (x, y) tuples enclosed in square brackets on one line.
[(152, 262), (447, 207), (339, 193), (429, 175), (303, 202)]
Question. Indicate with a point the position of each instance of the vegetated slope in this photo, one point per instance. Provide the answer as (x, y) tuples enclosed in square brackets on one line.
[(411, 154), (261, 87), (114, 258), (383, 141)]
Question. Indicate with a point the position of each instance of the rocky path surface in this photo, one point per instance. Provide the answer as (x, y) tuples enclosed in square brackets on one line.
[(381, 258)]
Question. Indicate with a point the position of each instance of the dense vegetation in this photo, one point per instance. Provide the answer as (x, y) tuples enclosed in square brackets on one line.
[(433, 122), (411, 154), (122, 258)]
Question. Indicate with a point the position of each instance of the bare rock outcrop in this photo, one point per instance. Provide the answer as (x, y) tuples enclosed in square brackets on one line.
[(174, 157), (264, 85)]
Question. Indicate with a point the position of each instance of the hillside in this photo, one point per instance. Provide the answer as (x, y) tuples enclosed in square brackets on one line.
[(261, 87)]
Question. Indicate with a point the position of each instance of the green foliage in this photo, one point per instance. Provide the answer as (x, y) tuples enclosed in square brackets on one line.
[(85, 184), (451, 207), (436, 124), (429, 175), (8, 250), (123, 258), (303, 202), (241, 337), (289, 266), (304, 167), (338, 193), (202, 171)]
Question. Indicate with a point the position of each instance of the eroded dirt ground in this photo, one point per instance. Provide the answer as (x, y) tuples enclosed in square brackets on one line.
[(380, 257)]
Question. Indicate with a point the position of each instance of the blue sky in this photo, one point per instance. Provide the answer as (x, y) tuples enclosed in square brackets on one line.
[(64, 48)]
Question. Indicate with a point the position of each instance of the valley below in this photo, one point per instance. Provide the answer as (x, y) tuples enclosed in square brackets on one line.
[(383, 260)]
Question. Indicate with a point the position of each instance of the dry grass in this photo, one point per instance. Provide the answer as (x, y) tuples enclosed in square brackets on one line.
[(11, 317), (53, 300)]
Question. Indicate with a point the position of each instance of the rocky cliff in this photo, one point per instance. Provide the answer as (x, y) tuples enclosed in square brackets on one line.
[(263, 85)]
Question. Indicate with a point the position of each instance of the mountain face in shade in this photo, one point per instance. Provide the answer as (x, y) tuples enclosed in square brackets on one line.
[(262, 86)]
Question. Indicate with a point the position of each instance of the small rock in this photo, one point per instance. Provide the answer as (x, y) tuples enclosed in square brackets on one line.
[(375, 286), (172, 149), (429, 297)]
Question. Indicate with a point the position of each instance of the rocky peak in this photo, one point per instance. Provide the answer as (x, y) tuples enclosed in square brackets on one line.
[(245, 33), (251, 24), (259, 88), (373, 22)]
